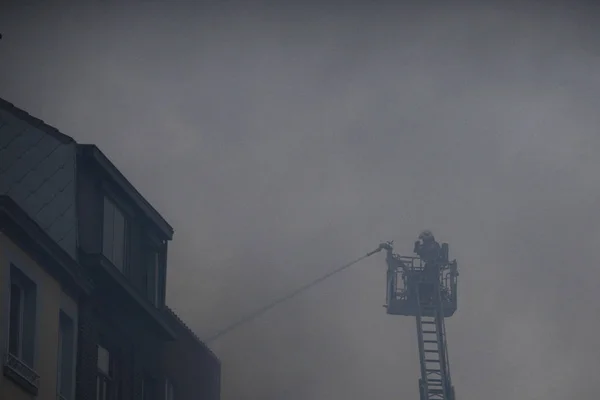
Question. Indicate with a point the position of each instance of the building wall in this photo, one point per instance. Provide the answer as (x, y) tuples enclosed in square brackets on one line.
[(37, 170), (50, 299), (194, 371), (86, 353), (138, 351), (193, 374)]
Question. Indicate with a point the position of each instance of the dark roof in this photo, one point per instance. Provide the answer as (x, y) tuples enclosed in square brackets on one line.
[(26, 233), (104, 162), (177, 322), (36, 122), (92, 152)]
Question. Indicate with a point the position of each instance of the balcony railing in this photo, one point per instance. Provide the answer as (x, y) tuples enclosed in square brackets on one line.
[(14, 366)]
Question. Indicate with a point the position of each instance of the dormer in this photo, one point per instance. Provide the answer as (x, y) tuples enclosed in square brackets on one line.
[(120, 233)]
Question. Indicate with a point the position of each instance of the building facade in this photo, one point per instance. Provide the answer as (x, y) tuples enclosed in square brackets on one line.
[(191, 365), (108, 303), (40, 287)]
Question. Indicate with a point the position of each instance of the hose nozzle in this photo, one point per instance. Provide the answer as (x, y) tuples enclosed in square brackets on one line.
[(382, 246)]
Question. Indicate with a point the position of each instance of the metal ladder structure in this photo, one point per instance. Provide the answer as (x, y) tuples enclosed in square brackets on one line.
[(411, 291), (435, 382)]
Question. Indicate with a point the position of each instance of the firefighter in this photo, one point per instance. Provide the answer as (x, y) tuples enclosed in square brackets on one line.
[(427, 248), (429, 251)]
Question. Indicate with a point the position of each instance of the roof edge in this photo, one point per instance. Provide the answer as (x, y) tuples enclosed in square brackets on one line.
[(43, 244), (35, 122), (92, 151), (170, 313)]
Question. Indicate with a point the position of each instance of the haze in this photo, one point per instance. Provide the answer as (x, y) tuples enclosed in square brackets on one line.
[(282, 142)]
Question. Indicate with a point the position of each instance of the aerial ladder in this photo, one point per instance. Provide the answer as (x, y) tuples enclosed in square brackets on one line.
[(420, 287), (413, 290)]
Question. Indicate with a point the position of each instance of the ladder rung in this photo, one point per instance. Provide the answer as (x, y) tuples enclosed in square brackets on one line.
[(428, 322), (431, 351), (429, 332), (432, 361), (436, 380), (430, 341), (433, 371)]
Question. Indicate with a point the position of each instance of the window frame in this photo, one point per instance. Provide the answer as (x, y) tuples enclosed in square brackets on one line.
[(19, 365), (149, 383), (155, 270), (106, 377), (28, 315), (116, 207), (154, 277), (169, 385), (65, 318), (21, 314)]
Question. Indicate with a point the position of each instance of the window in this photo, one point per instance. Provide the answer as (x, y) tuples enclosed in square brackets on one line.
[(21, 331), (149, 388), (153, 279), (66, 353), (169, 390), (105, 379), (22, 317), (15, 335), (114, 238)]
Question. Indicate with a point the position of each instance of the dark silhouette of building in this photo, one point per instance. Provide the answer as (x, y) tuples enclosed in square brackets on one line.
[(194, 365), (122, 338)]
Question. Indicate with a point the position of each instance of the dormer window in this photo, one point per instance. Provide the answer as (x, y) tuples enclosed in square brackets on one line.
[(114, 239), (154, 268), (153, 278)]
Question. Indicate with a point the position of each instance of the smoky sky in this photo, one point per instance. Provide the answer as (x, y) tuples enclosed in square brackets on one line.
[(284, 141)]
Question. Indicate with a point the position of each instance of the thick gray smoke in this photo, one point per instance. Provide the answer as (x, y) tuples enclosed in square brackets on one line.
[(282, 143)]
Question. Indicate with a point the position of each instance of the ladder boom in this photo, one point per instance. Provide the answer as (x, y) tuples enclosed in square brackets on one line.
[(435, 382), (425, 288)]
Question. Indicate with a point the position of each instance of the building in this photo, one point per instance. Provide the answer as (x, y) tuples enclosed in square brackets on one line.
[(103, 231), (39, 295), (193, 365), (39, 292), (123, 244)]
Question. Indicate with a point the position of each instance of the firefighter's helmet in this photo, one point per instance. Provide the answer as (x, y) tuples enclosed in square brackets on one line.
[(426, 236)]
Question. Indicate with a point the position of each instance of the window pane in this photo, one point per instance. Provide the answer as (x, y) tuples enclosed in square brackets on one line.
[(119, 240), (148, 388), (157, 279), (108, 229), (59, 372), (169, 394), (66, 354), (29, 323), (102, 388), (103, 360), (153, 279), (22, 316), (16, 320), (114, 239)]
